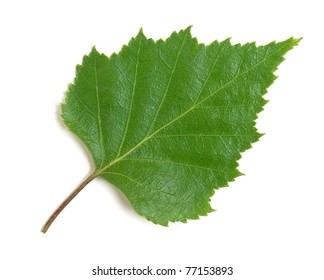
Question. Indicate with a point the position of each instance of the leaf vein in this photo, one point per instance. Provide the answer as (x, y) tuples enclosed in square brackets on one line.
[(139, 183), (167, 87), (210, 71), (85, 107), (98, 111), (178, 163), (132, 100)]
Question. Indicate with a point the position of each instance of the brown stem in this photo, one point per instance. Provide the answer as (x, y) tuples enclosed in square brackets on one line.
[(67, 201)]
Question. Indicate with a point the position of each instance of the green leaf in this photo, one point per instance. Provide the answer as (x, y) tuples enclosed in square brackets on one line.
[(167, 121)]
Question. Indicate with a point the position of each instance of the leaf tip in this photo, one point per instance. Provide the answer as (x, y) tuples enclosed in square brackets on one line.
[(293, 41), (297, 40)]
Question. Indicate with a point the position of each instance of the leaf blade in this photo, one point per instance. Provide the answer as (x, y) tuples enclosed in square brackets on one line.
[(172, 117)]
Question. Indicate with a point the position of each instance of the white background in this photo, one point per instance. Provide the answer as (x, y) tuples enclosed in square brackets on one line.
[(268, 224)]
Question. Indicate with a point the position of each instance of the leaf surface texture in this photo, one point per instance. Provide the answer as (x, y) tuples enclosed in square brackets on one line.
[(167, 121)]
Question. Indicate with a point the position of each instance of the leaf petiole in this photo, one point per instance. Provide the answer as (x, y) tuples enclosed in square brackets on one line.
[(67, 201)]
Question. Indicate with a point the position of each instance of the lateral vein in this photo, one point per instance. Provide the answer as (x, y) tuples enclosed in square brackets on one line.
[(98, 111), (132, 101)]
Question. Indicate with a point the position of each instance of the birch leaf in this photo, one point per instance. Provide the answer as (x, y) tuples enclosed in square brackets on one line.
[(166, 121)]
